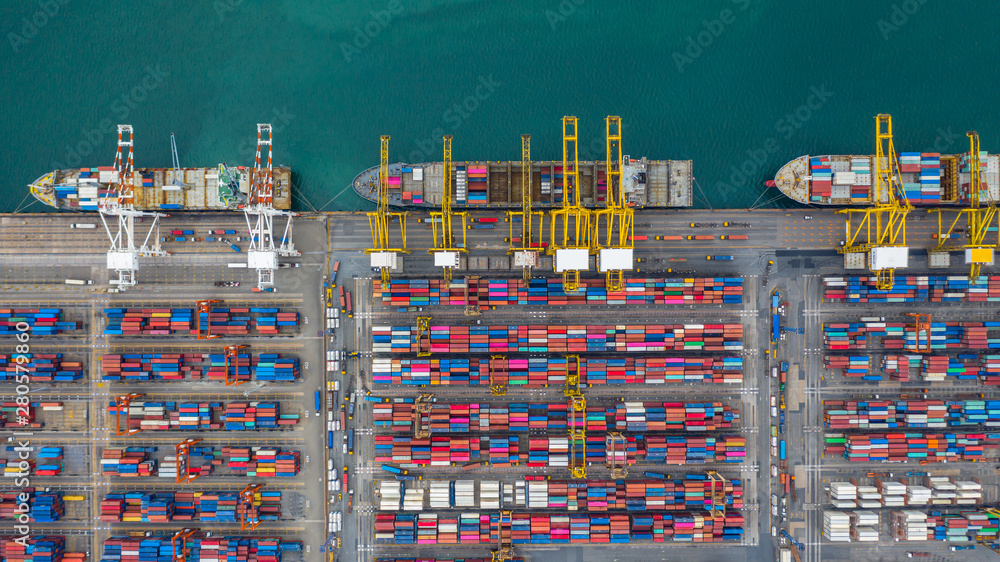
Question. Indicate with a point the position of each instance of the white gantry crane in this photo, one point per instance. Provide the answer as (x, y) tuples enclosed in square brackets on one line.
[(260, 213), (123, 256)]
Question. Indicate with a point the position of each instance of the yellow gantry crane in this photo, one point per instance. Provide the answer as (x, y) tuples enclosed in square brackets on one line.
[(525, 249), (614, 224), (880, 229), (718, 493), (978, 219), (446, 251), (570, 225), (383, 254), (577, 418)]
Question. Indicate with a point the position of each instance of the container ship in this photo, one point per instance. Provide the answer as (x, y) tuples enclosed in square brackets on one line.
[(646, 183), (928, 179), (158, 189)]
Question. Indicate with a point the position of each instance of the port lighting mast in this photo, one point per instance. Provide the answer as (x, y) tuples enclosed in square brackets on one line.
[(123, 255), (880, 230), (978, 219), (614, 224), (446, 250), (525, 250), (570, 225), (260, 214), (383, 254)]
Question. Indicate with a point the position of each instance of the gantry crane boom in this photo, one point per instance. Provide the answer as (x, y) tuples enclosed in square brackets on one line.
[(613, 225), (570, 225), (524, 248), (446, 249), (123, 255), (383, 254), (880, 229), (260, 214), (978, 220)]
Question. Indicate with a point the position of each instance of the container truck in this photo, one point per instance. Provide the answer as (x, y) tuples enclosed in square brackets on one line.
[(329, 439), (480, 226), (781, 449), (350, 442), (701, 237), (394, 469), (318, 404), (719, 258), (336, 268), (734, 237), (79, 282), (83, 225)]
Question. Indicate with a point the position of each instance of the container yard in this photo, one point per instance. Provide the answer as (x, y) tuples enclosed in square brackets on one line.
[(746, 407)]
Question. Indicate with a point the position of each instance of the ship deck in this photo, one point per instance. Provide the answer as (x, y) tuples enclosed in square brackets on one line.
[(646, 183)]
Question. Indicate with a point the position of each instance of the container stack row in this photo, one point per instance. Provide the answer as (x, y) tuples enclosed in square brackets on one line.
[(892, 414), (932, 490), (264, 367), (845, 336), (538, 372), (256, 462), (550, 292), (41, 367), (43, 507), (191, 416), (962, 527), (690, 492), (933, 288), (182, 321), (560, 339), (200, 549), (898, 447), (161, 507), (555, 451), (37, 548), (531, 528), (47, 461), (40, 321), (523, 417)]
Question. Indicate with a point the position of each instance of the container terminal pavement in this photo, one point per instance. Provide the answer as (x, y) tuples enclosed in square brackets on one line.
[(770, 406)]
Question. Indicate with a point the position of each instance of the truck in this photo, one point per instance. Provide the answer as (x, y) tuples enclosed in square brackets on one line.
[(775, 328), (350, 307), (343, 299), (336, 268), (83, 225), (350, 442), (656, 475), (480, 226), (79, 282), (394, 469), (719, 258), (669, 237), (485, 219), (318, 402), (781, 448), (329, 439), (235, 248), (701, 237), (734, 237)]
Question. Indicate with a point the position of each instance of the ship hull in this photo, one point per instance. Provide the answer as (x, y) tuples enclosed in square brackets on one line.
[(157, 189), (497, 185), (927, 179)]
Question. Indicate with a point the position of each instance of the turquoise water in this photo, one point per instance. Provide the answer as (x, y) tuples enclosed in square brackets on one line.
[(730, 84)]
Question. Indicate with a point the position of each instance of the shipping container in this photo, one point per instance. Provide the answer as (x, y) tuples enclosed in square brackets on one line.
[(909, 289), (201, 548), (139, 367), (539, 292), (41, 321)]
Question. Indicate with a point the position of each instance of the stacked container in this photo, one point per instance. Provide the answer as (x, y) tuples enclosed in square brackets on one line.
[(41, 321), (41, 367), (896, 447), (269, 367), (933, 288), (201, 549), (560, 339)]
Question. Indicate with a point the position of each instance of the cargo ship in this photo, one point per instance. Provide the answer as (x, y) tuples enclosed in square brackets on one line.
[(928, 179), (158, 189), (479, 185)]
